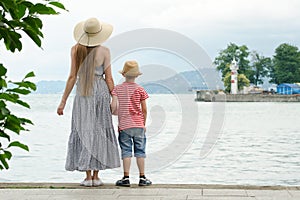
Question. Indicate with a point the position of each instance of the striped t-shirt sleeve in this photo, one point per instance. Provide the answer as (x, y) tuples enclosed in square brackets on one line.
[(143, 94)]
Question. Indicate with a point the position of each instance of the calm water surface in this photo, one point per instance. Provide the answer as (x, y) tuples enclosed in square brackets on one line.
[(259, 143)]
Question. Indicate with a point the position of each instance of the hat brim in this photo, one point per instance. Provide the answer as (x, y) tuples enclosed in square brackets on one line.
[(130, 73), (90, 40)]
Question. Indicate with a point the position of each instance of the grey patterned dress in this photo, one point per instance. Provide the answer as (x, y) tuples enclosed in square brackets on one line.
[(92, 143)]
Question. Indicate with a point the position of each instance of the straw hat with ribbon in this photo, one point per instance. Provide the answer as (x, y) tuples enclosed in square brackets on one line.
[(131, 68), (92, 32)]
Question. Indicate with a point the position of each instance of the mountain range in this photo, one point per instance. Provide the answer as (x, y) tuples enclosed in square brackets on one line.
[(183, 82)]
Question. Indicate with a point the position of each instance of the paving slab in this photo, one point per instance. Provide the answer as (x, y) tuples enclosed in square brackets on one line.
[(225, 192), (278, 193), (219, 198), (294, 193)]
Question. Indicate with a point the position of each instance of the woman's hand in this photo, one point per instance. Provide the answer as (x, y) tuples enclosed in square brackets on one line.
[(60, 109)]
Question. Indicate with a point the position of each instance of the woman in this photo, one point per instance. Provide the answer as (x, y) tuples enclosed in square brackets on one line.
[(92, 143)]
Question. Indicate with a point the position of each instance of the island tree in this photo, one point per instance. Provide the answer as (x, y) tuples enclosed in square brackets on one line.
[(240, 54), (260, 67), (286, 68)]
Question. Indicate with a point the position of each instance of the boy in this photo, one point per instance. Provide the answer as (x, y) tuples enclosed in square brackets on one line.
[(130, 98)]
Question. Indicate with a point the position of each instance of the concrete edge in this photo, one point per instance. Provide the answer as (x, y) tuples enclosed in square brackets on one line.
[(23, 185)]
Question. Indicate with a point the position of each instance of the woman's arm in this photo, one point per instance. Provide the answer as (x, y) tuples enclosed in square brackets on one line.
[(108, 78), (107, 70), (69, 85), (114, 105)]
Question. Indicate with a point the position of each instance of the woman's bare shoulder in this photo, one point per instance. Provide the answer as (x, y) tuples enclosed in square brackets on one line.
[(104, 48), (73, 50)]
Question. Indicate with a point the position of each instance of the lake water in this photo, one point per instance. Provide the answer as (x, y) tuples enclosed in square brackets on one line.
[(247, 143)]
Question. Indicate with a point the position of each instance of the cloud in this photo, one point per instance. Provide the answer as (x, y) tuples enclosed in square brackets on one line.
[(261, 25), (225, 13)]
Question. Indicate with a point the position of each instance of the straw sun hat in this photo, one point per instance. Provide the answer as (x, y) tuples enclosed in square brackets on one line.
[(92, 32), (131, 68)]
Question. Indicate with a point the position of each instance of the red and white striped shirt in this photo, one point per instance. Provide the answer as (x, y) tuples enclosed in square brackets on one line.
[(130, 113)]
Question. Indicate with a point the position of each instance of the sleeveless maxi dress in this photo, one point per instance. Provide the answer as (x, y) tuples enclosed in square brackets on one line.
[(92, 143)]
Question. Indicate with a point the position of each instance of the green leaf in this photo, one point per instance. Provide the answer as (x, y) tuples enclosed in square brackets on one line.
[(30, 85), (33, 36), (13, 123), (21, 11), (6, 4), (4, 135), (4, 111), (19, 91), (3, 161), (42, 9), (3, 83), (27, 121), (8, 154), (18, 144), (23, 103), (12, 40), (29, 75), (26, 84), (28, 4), (2, 117), (58, 5), (13, 13), (2, 104), (34, 22), (3, 70), (9, 97)]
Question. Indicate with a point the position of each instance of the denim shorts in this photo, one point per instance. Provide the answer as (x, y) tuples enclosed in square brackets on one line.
[(132, 137)]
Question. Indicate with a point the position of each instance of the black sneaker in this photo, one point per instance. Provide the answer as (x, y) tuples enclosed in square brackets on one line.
[(123, 182), (144, 182)]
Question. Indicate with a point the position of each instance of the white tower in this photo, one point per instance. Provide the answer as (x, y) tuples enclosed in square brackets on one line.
[(234, 74)]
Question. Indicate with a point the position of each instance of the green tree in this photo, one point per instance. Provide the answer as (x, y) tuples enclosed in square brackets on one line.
[(286, 68), (240, 53), (242, 82), (260, 66), (17, 16)]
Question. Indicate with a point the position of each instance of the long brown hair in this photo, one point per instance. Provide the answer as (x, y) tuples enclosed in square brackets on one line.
[(85, 67)]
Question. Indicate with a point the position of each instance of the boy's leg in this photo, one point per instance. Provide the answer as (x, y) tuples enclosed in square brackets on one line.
[(141, 165), (126, 166), (139, 141), (125, 142)]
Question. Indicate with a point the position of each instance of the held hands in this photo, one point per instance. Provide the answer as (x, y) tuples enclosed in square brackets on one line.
[(60, 109)]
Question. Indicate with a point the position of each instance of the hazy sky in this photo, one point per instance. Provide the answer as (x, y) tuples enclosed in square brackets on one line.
[(260, 24)]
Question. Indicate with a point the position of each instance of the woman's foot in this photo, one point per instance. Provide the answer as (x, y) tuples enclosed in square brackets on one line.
[(87, 183), (97, 182)]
